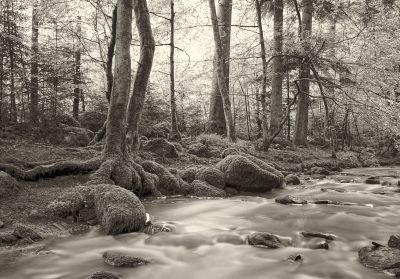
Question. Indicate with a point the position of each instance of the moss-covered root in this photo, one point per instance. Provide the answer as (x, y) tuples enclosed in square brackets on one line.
[(168, 184), (118, 210), (51, 170)]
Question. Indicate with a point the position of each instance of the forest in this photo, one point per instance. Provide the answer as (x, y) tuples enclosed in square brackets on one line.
[(219, 138)]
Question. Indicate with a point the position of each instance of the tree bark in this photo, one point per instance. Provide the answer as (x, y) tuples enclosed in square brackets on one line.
[(277, 69), (263, 97), (110, 55), (147, 47), (77, 75), (116, 124), (174, 134), (34, 95), (217, 123), (224, 91), (301, 126)]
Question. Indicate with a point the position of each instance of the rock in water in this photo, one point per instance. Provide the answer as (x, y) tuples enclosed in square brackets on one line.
[(22, 232), (122, 260), (326, 236), (372, 180), (200, 188), (265, 240), (290, 200), (118, 210), (161, 147), (394, 241), (8, 185), (380, 258), (249, 174), (292, 179), (103, 275)]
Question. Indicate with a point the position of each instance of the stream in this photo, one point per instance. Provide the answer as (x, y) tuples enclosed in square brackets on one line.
[(207, 238)]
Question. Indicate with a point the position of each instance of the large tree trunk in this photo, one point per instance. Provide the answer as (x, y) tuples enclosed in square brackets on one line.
[(77, 75), (301, 127), (34, 95), (277, 69), (116, 124), (223, 88), (217, 122), (147, 47), (174, 134), (264, 119)]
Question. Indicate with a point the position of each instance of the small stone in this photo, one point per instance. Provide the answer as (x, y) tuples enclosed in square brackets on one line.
[(372, 180), (340, 190), (386, 183), (320, 245), (323, 202), (121, 260), (394, 242), (319, 170), (326, 236), (79, 229), (295, 258), (8, 238), (290, 200), (1, 224), (292, 179), (22, 231), (25, 241), (265, 240), (103, 275), (231, 191)]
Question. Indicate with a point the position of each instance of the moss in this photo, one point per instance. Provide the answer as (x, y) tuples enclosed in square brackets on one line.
[(161, 147), (200, 188), (250, 174), (212, 176), (71, 202), (189, 174), (200, 150), (122, 260), (118, 210), (8, 185), (168, 184)]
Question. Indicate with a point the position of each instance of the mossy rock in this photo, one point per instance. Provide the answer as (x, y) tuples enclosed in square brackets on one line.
[(250, 174), (161, 147), (200, 150), (118, 210), (168, 184), (189, 174), (92, 120), (212, 176), (200, 188), (8, 185)]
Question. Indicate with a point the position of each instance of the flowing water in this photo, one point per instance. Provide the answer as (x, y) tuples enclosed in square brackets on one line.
[(207, 237)]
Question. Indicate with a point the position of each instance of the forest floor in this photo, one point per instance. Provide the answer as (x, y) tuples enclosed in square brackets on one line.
[(28, 207)]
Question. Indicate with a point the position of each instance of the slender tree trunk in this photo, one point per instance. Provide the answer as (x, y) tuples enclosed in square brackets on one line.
[(263, 97), (110, 55), (34, 90), (288, 101), (301, 126), (277, 69), (230, 128), (1, 64), (13, 105), (217, 123), (147, 47), (175, 134), (77, 75), (116, 124)]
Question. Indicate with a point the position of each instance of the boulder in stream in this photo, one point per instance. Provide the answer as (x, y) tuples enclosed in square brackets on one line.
[(372, 180), (292, 179), (200, 188), (212, 176), (381, 258), (122, 260), (22, 231), (118, 210), (394, 241), (103, 275), (266, 240), (249, 174), (327, 236), (290, 200)]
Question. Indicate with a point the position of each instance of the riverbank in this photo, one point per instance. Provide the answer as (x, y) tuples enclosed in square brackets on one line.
[(28, 205)]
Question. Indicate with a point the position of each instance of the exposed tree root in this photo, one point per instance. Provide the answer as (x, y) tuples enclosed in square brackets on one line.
[(52, 170)]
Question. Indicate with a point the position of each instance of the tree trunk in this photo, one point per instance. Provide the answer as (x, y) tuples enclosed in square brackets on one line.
[(110, 55), (175, 134), (145, 64), (34, 96), (77, 75), (277, 69), (13, 105), (217, 123), (264, 80), (224, 91), (116, 124), (301, 126)]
